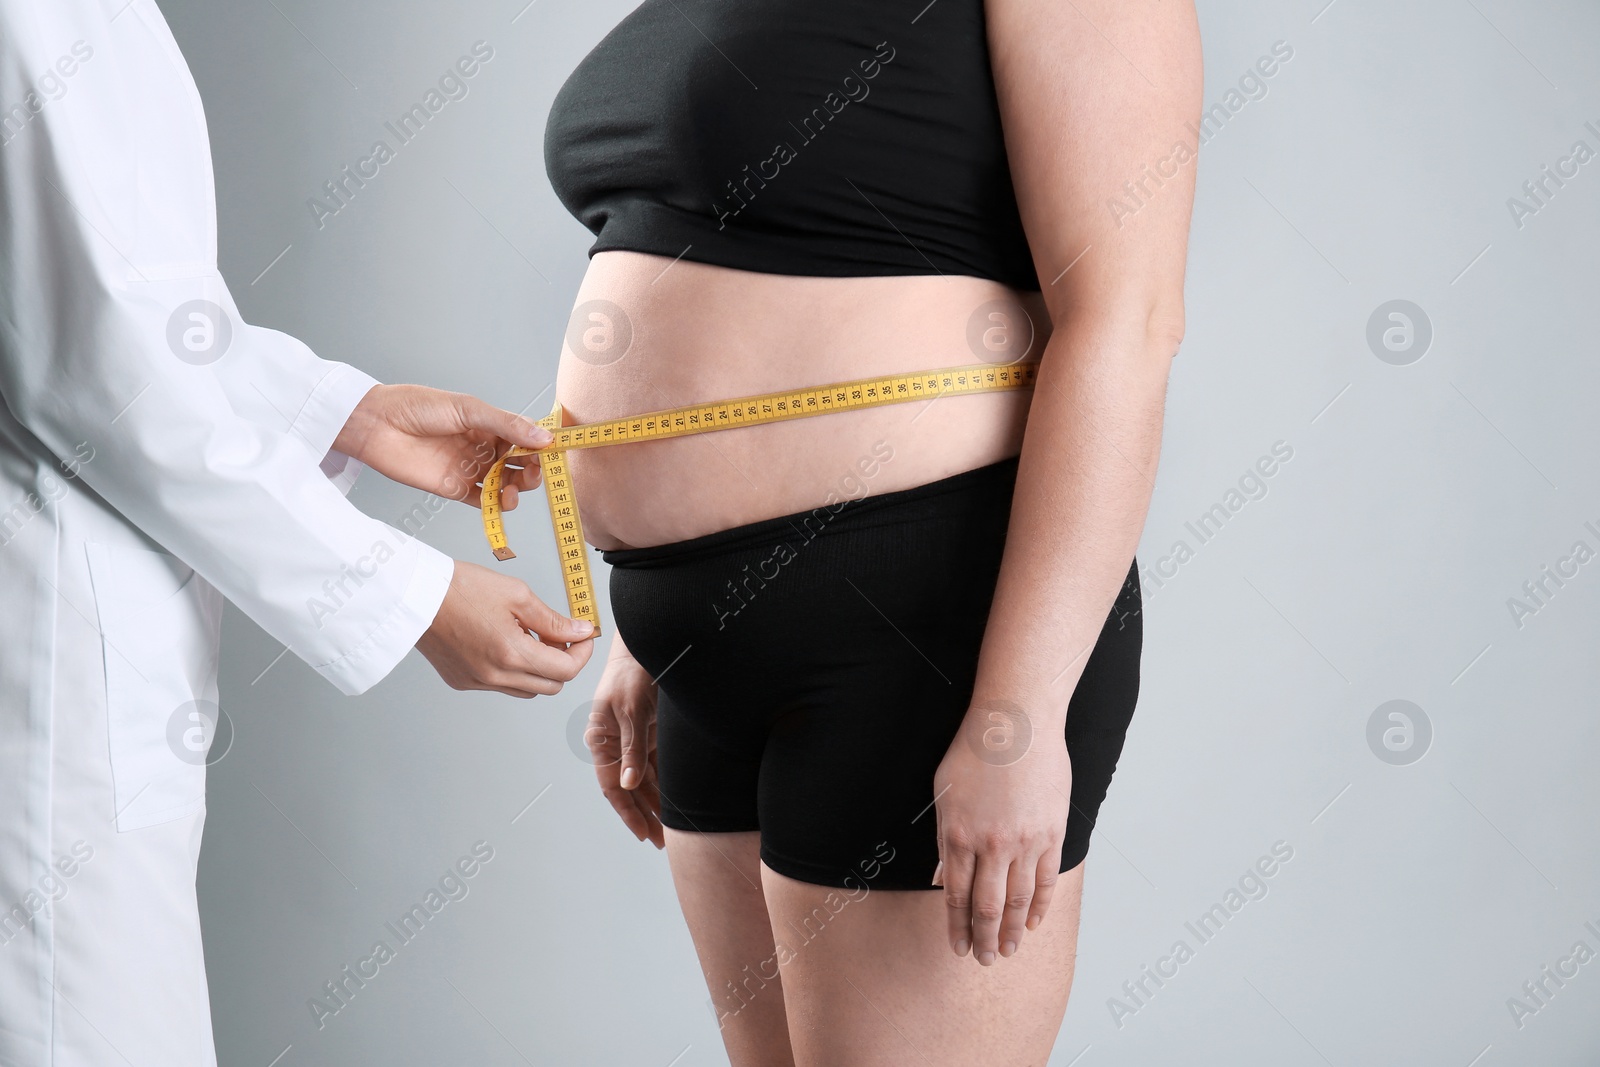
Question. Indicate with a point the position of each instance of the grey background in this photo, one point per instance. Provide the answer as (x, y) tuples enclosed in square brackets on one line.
[(1418, 500)]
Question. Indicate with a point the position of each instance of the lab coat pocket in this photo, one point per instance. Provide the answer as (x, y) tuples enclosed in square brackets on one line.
[(160, 624)]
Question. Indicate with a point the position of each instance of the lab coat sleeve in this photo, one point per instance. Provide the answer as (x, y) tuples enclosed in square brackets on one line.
[(240, 503), (88, 364), (274, 380), (269, 377)]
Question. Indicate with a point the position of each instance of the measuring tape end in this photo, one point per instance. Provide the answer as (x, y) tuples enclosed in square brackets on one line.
[(503, 554)]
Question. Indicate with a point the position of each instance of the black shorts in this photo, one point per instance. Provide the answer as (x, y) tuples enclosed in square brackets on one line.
[(814, 670)]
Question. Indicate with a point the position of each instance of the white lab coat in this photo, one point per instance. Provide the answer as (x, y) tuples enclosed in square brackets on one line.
[(141, 482)]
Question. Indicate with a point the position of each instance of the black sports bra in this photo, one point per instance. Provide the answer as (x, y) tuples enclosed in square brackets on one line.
[(814, 137)]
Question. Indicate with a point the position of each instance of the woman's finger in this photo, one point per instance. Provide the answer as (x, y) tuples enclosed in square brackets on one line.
[(1020, 878), (958, 864), (645, 798), (604, 741), (622, 802), (633, 747), (988, 906), (603, 738), (1045, 878), (648, 803)]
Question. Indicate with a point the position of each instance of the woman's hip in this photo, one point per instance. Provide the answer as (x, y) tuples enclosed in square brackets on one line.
[(917, 559), (814, 668)]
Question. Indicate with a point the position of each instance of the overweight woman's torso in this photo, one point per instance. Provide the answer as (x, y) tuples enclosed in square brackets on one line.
[(784, 193), (675, 333)]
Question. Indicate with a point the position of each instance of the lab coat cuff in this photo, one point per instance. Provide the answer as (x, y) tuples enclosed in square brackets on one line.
[(342, 470), (328, 407), (365, 665)]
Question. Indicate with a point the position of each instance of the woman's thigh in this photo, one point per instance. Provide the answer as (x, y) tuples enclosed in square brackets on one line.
[(718, 879), (871, 979)]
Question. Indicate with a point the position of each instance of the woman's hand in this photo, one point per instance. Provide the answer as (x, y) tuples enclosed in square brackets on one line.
[(442, 443), (1002, 798), (622, 739)]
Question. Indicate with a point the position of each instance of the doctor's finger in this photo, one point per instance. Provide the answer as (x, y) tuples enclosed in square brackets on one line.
[(508, 425), (525, 474), (520, 694), (535, 659), (516, 480), (551, 626), (535, 668)]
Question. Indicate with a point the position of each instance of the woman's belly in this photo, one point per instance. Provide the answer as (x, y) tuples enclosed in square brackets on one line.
[(649, 333)]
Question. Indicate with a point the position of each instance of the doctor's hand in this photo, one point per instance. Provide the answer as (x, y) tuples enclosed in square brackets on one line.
[(440, 442), (480, 639)]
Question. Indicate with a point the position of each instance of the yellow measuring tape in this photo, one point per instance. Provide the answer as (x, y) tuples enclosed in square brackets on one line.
[(703, 418)]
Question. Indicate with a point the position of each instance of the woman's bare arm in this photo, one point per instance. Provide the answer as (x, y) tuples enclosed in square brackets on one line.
[(1096, 97), (1093, 94)]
